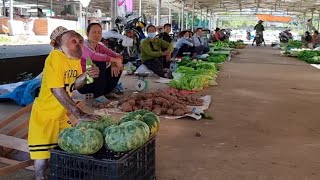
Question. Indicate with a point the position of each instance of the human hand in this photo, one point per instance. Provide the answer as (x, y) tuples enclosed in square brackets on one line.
[(115, 71), (168, 58), (166, 53), (93, 71), (117, 62)]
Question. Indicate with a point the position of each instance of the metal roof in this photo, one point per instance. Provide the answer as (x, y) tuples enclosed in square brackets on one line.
[(216, 7)]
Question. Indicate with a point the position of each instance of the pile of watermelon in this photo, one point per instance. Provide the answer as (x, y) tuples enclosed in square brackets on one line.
[(88, 137)]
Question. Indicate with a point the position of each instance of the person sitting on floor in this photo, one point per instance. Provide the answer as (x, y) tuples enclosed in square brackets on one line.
[(316, 39), (165, 34), (198, 40), (184, 44), (308, 40), (152, 55), (108, 62), (216, 35)]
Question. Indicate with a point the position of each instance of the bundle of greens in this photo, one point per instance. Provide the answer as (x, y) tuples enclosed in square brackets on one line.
[(308, 56), (217, 58), (190, 82)]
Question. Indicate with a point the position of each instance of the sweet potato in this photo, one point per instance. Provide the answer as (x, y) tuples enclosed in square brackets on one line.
[(179, 112), (177, 106), (170, 112), (156, 106), (132, 102), (126, 107), (157, 111), (134, 108)]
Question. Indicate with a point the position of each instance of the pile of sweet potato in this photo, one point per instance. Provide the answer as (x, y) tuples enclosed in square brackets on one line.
[(160, 102)]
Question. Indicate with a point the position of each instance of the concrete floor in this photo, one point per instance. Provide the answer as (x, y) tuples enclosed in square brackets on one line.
[(265, 125)]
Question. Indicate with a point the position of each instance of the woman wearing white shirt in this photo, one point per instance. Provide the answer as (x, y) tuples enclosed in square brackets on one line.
[(184, 44)]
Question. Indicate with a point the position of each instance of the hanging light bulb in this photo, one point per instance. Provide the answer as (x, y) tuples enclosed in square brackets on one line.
[(85, 3)]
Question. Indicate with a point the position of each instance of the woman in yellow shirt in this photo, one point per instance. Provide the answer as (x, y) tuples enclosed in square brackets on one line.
[(61, 75)]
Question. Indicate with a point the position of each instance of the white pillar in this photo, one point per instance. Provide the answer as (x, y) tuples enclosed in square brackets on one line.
[(206, 25), (201, 16), (4, 7), (319, 21), (112, 13), (192, 23), (140, 8), (80, 16), (179, 20), (170, 16), (187, 17), (51, 7), (182, 14), (158, 13), (11, 10)]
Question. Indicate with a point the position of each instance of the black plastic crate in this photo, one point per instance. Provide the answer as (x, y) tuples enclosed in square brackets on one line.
[(105, 164)]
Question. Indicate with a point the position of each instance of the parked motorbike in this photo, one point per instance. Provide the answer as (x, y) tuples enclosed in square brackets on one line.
[(248, 35), (285, 36), (258, 38), (125, 38)]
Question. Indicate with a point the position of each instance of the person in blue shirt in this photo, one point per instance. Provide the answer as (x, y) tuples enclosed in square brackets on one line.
[(199, 42), (184, 43)]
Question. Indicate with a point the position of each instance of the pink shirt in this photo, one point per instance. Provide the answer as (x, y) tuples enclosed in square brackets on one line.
[(100, 54)]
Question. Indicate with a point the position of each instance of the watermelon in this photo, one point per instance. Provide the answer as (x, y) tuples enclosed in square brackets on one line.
[(100, 125), (147, 117), (126, 136), (80, 140)]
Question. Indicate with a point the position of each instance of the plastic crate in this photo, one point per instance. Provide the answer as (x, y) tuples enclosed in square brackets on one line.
[(105, 164)]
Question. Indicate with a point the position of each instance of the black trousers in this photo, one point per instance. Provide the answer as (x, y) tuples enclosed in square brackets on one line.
[(185, 48), (202, 49), (102, 85), (156, 65)]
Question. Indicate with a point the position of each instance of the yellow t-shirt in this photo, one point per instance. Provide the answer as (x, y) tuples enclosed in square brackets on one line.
[(59, 71)]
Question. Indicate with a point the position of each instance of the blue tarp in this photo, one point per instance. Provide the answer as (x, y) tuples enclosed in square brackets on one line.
[(23, 94)]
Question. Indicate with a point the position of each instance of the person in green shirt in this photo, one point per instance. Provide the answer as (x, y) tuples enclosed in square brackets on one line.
[(152, 55), (259, 28)]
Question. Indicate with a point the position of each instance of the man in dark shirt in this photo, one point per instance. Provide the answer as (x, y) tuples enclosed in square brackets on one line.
[(165, 34)]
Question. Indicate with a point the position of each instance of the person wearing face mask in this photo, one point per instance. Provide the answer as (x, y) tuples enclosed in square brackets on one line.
[(184, 43), (153, 55), (62, 74), (108, 62)]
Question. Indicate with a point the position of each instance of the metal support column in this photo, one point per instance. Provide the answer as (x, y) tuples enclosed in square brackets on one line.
[(206, 25), (11, 10), (158, 13), (187, 18), (179, 20), (182, 14), (192, 22), (4, 7), (112, 13), (170, 16), (140, 8), (80, 16), (51, 8), (319, 21), (200, 17)]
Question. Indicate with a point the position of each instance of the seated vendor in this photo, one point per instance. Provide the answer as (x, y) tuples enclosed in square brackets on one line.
[(216, 35), (316, 39), (184, 44), (108, 62), (198, 40), (165, 34), (152, 56)]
